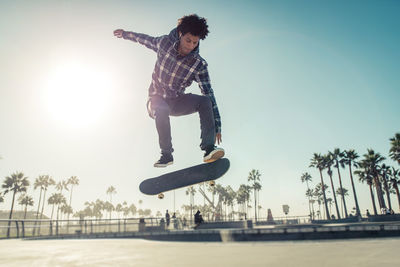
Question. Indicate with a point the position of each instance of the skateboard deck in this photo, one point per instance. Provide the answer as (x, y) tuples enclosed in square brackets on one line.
[(185, 177)]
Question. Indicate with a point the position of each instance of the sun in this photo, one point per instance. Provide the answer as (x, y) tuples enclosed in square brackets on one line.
[(77, 94)]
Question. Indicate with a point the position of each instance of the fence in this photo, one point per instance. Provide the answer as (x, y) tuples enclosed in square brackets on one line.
[(28, 228), (284, 220)]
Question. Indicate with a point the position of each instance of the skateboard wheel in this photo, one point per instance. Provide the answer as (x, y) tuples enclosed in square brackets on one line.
[(161, 196), (212, 183)]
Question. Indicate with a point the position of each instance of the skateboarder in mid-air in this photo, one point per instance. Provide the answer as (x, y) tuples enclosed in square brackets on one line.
[(178, 65)]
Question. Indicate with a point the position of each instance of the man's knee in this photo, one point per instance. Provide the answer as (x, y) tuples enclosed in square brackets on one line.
[(160, 112), (157, 107)]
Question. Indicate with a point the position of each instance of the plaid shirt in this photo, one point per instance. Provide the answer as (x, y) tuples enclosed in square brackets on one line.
[(173, 73)]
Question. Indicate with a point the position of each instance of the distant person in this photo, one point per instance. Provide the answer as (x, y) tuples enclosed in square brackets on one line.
[(175, 221), (384, 211), (333, 217), (270, 218), (198, 219), (368, 214), (167, 218), (178, 65)]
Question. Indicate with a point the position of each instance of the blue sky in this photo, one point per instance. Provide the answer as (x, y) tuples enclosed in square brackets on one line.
[(290, 77)]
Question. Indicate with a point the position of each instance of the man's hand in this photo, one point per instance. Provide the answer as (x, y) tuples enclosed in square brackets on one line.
[(118, 33), (218, 138)]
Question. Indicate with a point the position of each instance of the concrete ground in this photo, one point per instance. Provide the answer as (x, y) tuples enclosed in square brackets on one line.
[(136, 252)]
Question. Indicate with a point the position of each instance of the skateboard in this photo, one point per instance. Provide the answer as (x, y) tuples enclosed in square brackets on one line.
[(185, 177)]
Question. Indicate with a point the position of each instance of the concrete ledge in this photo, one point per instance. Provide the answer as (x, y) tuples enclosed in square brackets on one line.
[(224, 225), (347, 220), (384, 218), (252, 235)]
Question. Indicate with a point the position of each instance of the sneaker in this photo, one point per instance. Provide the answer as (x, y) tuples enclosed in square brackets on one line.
[(213, 153), (164, 161)]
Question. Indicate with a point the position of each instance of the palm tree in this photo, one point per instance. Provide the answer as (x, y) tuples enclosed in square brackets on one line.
[(343, 192), (230, 200), (384, 171), (73, 180), (56, 199), (306, 177), (350, 157), (328, 162), (111, 191), (15, 183), (66, 209), (254, 176), (39, 183), (257, 187), (371, 163), (310, 195), (221, 193), (394, 151), (1, 197), (395, 181), (318, 162), (47, 181), (108, 206), (337, 156), (25, 200), (365, 176), (318, 194), (60, 186), (330, 200), (242, 197), (191, 191), (133, 210), (118, 209)]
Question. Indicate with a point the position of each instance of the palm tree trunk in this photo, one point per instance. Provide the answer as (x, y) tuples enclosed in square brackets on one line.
[(354, 193), (396, 188), (323, 191), (373, 199), (26, 207), (37, 213), (52, 211), (379, 193), (70, 201), (385, 183), (40, 198), (341, 189), (309, 204), (334, 196), (397, 193), (41, 213), (11, 212), (313, 212), (255, 205), (44, 201)]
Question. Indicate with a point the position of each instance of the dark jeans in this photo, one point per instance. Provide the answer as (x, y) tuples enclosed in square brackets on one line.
[(161, 108)]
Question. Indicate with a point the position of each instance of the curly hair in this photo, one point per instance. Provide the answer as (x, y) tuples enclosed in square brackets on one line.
[(194, 25)]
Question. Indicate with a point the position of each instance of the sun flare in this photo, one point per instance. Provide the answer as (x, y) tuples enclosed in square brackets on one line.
[(77, 94)]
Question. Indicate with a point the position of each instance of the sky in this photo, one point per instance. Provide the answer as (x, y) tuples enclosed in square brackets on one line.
[(291, 78)]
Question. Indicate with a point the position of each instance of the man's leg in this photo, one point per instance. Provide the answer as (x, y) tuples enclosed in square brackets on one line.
[(159, 110), (191, 103)]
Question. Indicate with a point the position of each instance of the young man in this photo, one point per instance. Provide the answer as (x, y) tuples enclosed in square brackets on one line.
[(178, 65)]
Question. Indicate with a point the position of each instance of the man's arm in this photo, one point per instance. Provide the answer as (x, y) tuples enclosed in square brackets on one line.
[(203, 79), (144, 39)]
